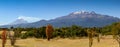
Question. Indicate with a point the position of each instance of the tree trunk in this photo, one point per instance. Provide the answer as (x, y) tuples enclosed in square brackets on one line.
[(119, 44), (90, 42), (98, 38)]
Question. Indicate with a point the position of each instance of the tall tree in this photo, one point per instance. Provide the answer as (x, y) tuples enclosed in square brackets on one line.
[(49, 31), (116, 32), (11, 35), (90, 35), (4, 37)]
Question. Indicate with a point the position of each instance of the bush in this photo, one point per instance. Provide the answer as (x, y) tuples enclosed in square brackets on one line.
[(40, 32), (30, 33), (24, 36)]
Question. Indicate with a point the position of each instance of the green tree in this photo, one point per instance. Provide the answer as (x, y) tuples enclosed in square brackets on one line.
[(17, 32), (116, 32)]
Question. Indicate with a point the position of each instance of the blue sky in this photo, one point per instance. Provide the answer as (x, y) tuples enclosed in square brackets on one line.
[(34, 10)]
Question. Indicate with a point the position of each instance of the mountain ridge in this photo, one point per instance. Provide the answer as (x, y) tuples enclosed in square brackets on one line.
[(80, 18)]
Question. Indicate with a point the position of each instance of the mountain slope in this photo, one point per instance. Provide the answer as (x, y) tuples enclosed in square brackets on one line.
[(85, 19), (80, 18)]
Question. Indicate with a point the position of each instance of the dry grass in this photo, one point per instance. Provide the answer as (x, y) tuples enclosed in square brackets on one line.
[(32, 42)]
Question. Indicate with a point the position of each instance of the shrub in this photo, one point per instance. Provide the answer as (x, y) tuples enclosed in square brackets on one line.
[(24, 36)]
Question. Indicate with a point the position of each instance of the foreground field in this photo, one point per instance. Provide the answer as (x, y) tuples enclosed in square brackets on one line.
[(58, 42)]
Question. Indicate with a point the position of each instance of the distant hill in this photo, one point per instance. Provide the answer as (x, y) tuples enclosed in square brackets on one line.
[(80, 18)]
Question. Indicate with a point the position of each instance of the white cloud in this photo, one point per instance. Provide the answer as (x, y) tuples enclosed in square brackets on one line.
[(29, 19), (2, 23)]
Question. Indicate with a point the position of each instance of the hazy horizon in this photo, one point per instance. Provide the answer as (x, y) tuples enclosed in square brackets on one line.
[(34, 10)]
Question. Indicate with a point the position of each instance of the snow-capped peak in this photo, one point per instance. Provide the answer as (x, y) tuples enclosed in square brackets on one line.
[(92, 12), (78, 12), (83, 12)]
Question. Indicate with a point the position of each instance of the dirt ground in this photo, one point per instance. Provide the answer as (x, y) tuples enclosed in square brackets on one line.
[(59, 42)]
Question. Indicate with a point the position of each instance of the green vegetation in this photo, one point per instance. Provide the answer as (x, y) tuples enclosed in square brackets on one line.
[(71, 32), (67, 32), (116, 32)]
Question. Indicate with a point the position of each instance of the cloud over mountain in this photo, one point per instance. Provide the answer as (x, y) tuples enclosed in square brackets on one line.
[(29, 19)]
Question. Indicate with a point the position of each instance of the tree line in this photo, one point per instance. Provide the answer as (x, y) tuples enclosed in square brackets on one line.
[(63, 32), (70, 32)]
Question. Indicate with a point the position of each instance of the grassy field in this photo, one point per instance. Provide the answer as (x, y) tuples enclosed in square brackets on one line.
[(107, 41)]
